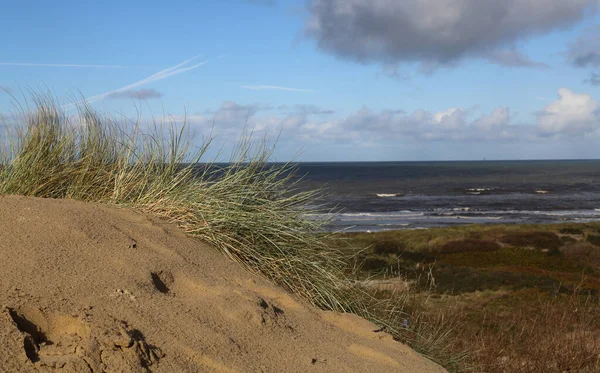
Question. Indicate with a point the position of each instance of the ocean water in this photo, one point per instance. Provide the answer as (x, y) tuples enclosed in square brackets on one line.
[(374, 196)]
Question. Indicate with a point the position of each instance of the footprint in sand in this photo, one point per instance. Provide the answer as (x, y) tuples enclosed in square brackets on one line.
[(55, 341), (162, 281)]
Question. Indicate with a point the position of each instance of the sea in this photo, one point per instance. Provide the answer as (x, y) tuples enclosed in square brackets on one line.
[(376, 196)]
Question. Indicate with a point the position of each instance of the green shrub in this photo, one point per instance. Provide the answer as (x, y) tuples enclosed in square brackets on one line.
[(457, 280)]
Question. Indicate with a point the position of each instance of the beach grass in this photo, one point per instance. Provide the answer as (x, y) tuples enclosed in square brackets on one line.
[(249, 209)]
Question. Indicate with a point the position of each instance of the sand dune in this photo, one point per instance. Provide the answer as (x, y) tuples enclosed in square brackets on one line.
[(92, 288)]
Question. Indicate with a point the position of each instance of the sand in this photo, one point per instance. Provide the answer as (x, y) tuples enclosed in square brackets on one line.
[(94, 288)]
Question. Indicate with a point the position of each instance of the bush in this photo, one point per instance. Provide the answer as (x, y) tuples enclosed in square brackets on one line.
[(375, 265), (388, 247), (538, 240), (593, 239), (566, 240), (571, 230), (468, 245), (583, 253), (457, 280)]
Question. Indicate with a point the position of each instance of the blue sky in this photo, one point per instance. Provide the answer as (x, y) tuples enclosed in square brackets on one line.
[(343, 80)]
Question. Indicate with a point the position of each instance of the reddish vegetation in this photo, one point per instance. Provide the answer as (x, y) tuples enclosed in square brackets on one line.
[(538, 240), (469, 245)]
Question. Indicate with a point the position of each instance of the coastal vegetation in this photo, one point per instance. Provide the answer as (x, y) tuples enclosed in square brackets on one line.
[(521, 298), (474, 298)]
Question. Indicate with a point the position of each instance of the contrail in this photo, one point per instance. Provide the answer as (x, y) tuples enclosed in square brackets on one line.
[(61, 65), (263, 87), (174, 70)]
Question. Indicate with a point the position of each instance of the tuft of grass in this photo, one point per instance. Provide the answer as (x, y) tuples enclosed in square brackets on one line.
[(249, 209)]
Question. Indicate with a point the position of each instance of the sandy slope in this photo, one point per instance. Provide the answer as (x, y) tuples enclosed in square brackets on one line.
[(91, 288)]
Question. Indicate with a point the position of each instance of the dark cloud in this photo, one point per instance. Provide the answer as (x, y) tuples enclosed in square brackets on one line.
[(512, 58), (436, 32), (142, 94), (585, 50), (594, 80)]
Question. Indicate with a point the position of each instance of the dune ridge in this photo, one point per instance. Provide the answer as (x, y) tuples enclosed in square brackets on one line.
[(94, 288)]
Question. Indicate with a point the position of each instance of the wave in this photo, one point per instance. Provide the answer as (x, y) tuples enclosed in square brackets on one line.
[(389, 195), (395, 214), (440, 217)]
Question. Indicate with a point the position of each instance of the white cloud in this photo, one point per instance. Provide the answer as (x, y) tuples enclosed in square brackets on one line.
[(364, 126), (572, 114)]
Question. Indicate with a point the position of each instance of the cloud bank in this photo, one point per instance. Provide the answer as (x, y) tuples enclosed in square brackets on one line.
[(437, 32), (572, 115)]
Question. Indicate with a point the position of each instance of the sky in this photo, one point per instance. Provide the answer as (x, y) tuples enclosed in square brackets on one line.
[(324, 80)]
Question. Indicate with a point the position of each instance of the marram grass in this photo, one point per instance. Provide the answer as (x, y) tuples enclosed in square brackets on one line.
[(249, 209)]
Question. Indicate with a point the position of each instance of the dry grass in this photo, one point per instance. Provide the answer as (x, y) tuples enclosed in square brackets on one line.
[(583, 253), (544, 335)]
